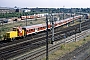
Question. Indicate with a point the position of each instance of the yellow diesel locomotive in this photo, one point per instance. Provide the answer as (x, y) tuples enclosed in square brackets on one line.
[(17, 32)]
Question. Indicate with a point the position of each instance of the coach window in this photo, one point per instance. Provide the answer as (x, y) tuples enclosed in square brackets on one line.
[(38, 28), (31, 29), (45, 26), (42, 27), (27, 30), (34, 29), (59, 23)]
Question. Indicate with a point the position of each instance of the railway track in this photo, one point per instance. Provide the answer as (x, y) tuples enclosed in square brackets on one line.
[(72, 55), (33, 39), (6, 43), (34, 55), (28, 38), (22, 47), (87, 58)]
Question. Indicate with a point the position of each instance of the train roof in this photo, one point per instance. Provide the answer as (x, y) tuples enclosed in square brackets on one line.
[(34, 26), (28, 27), (41, 25), (57, 22), (61, 20)]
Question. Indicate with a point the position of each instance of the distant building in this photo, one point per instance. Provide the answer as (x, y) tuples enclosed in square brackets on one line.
[(18, 10), (26, 9), (22, 10), (6, 10)]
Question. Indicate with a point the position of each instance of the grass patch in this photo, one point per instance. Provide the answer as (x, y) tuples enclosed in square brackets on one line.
[(68, 47)]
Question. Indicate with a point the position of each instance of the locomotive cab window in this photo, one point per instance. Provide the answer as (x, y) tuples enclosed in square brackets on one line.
[(14, 29)]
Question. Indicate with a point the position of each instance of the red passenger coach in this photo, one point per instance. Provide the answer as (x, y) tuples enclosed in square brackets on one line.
[(71, 19), (23, 17), (60, 23), (29, 30), (40, 27), (34, 29), (63, 22), (57, 23)]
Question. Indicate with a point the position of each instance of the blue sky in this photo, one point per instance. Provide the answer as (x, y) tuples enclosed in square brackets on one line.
[(46, 3)]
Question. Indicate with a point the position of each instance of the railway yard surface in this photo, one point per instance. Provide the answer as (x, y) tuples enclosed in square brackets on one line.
[(79, 50), (33, 48)]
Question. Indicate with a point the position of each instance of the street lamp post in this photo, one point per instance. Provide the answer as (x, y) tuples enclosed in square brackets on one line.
[(63, 12), (47, 34), (52, 24), (46, 38), (72, 12), (75, 34), (52, 29), (80, 20), (26, 19)]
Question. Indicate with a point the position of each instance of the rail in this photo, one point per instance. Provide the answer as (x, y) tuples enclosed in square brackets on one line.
[(34, 55)]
